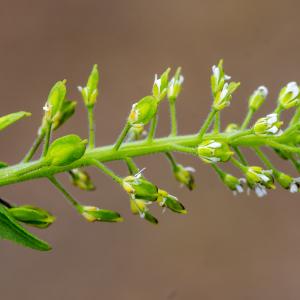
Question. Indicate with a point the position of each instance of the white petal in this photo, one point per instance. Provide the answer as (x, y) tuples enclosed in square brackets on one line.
[(214, 145), (263, 90), (294, 188)]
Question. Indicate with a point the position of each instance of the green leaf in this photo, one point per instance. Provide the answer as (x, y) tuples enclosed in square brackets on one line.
[(9, 119), (11, 230)]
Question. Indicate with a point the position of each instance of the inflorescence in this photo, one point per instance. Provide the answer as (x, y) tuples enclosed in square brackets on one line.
[(70, 154)]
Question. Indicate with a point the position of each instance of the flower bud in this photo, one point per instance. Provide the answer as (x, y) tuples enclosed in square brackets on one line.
[(171, 202), (66, 112), (82, 180), (232, 127), (135, 133), (233, 183), (223, 97), (184, 176), (55, 100), (33, 216), (65, 150), (92, 214), (90, 91), (289, 96), (140, 207), (140, 188), (259, 180), (160, 85), (9, 119), (218, 78), (268, 125), (143, 111), (287, 182), (258, 98), (211, 151), (174, 87)]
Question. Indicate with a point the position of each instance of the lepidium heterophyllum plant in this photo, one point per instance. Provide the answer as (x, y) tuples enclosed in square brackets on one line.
[(70, 154)]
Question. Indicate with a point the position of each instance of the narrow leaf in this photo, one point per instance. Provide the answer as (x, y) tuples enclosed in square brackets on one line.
[(9, 119)]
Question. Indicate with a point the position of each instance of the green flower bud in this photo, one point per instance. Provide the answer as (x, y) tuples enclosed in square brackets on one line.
[(175, 84), (65, 150), (82, 180), (287, 182), (92, 214), (66, 112), (90, 91), (32, 215), (140, 188), (258, 98), (184, 176), (259, 180), (171, 202), (160, 85), (289, 96), (232, 127), (211, 151), (141, 207), (233, 183), (218, 78), (223, 97), (143, 111), (268, 125), (55, 100), (9, 119)]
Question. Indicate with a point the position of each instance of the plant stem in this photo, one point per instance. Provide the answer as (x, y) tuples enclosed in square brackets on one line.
[(106, 170), (172, 160), (47, 138), (132, 167), (122, 136), (248, 118), (238, 164), (264, 159), (91, 120), (172, 104), (206, 124), (152, 128), (217, 124), (240, 155), (65, 193), (34, 147)]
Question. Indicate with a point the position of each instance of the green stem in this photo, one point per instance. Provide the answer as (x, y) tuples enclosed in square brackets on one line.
[(172, 104), (278, 110), (219, 171), (206, 124), (67, 195), (217, 124), (132, 167), (247, 119), (240, 155), (172, 160), (152, 128), (34, 147), (238, 165), (122, 136), (264, 159), (106, 170), (91, 120), (47, 138), (283, 147), (296, 117)]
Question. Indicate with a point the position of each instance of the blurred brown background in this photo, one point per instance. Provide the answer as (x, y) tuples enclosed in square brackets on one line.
[(227, 247)]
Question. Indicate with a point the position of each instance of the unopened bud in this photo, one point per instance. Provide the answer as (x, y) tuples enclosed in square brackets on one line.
[(232, 127), (56, 99), (268, 125), (184, 176), (33, 216), (160, 85), (223, 97), (82, 180), (218, 78), (92, 214), (171, 202), (66, 112), (65, 150), (258, 98), (211, 151), (174, 87), (9, 119), (289, 96), (90, 91), (143, 111), (233, 183), (140, 188)]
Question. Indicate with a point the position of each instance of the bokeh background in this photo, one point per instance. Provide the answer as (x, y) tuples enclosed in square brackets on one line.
[(226, 247)]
